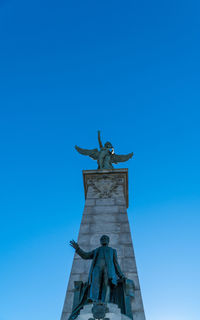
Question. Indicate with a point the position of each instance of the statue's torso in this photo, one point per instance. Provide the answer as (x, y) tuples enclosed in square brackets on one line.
[(101, 258)]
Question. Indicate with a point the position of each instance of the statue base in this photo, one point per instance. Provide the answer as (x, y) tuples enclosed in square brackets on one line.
[(109, 311)]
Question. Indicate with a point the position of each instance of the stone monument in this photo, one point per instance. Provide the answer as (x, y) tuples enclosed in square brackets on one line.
[(104, 283)]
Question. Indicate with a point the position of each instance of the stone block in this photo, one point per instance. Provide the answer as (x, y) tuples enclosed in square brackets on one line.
[(136, 303), (114, 313), (106, 227), (124, 227), (105, 209), (122, 208), (120, 251), (84, 239), (65, 315), (80, 266), (84, 228), (89, 202), (122, 217), (88, 210), (113, 308), (139, 315), (102, 218), (123, 317), (87, 218), (114, 239), (68, 302), (105, 202), (128, 251), (129, 265), (125, 238), (121, 201)]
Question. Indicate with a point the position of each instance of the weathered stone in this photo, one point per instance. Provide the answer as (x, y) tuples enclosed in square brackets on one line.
[(68, 302), (137, 304), (120, 251), (105, 213), (105, 209), (79, 268), (124, 227), (105, 202), (65, 315), (88, 210), (129, 265), (114, 313), (125, 238), (121, 201), (122, 208), (84, 239), (128, 251), (122, 217), (84, 228), (107, 228), (101, 218), (90, 202), (87, 218), (139, 315)]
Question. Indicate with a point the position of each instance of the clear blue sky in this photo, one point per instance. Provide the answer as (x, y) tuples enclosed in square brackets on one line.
[(132, 70)]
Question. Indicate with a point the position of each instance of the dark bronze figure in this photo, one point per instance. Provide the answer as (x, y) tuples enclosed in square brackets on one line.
[(105, 156), (106, 282), (104, 270)]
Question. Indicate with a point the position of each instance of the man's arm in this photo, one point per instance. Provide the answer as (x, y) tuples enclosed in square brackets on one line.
[(117, 267), (83, 254), (99, 139)]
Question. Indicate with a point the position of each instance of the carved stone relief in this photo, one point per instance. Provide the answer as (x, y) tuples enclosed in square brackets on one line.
[(105, 186)]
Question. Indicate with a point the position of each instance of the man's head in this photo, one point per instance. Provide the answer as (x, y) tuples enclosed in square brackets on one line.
[(104, 240)]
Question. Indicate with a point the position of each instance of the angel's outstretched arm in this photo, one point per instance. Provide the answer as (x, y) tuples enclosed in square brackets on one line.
[(99, 139)]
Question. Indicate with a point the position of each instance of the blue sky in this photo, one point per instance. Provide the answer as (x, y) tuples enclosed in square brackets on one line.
[(130, 69)]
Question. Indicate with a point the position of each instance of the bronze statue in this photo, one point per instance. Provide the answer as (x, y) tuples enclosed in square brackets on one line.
[(106, 282), (105, 156), (104, 270)]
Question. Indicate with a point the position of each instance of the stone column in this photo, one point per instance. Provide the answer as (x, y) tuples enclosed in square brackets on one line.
[(105, 212)]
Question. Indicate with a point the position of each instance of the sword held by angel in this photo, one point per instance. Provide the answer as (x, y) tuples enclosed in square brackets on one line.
[(105, 156)]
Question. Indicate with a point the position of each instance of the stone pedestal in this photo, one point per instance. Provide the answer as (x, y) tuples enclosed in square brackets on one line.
[(106, 194), (113, 313)]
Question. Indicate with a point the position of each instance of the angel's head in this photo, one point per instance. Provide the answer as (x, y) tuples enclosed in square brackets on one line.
[(108, 145)]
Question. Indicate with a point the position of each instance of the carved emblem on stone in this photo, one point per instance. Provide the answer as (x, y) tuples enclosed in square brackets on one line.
[(99, 311), (104, 186)]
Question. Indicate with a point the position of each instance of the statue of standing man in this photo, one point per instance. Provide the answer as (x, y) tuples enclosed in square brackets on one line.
[(104, 271)]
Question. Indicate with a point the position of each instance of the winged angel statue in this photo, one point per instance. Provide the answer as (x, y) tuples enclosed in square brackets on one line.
[(105, 156)]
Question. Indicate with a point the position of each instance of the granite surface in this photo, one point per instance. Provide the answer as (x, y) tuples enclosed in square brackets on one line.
[(105, 212)]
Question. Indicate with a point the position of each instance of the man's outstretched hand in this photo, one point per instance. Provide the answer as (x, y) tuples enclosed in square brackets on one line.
[(74, 244)]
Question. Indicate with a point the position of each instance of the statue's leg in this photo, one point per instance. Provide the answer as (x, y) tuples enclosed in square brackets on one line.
[(95, 284), (105, 287)]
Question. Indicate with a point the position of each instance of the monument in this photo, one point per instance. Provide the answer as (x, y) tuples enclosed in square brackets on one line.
[(104, 283)]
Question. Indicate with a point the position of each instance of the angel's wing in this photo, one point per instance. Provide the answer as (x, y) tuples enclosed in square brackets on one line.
[(93, 153), (115, 158)]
